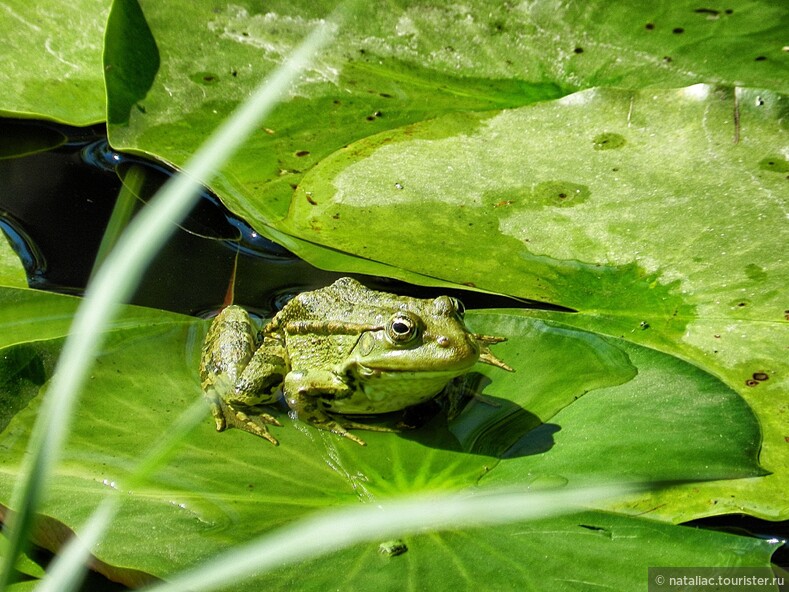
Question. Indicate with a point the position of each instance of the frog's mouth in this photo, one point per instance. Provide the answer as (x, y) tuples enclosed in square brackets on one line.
[(368, 373)]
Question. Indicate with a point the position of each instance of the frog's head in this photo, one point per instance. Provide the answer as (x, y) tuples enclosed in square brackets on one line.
[(427, 337)]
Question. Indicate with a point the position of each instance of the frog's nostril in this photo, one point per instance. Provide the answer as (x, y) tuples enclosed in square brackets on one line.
[(443, 341)]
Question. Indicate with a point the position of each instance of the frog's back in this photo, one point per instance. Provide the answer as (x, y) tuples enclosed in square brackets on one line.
[(345, 301)]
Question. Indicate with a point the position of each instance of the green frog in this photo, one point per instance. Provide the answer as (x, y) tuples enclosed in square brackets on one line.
[(336, 352)]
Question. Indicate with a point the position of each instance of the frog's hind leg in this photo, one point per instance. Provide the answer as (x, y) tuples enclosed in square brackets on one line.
[(227, 415), (260, 381), (230, 414), (258, 384)]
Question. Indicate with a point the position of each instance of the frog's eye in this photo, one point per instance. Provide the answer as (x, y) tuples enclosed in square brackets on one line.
[(402, 328), (459, 308)]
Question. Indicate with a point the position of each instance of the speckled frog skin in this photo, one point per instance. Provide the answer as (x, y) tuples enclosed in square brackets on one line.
[(336, 352)]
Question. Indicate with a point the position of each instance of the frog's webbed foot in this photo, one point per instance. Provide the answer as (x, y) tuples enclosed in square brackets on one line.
[(341, 425), (303, 394), (226, 415), (488, 357)]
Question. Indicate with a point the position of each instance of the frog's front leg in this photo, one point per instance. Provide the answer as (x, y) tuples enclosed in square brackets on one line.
[(304, 392), (235, 376)]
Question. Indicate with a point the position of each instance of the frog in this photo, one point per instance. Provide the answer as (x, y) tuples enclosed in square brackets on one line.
[(337, 354)]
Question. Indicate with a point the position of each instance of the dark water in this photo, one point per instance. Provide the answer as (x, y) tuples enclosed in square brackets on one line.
[(744, 525)]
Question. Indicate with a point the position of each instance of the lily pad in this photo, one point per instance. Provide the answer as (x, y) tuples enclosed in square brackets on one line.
[(222, 488), (51, 60), (409, 62), (616, 553), (11, 271), (550, 215), (644, 238)]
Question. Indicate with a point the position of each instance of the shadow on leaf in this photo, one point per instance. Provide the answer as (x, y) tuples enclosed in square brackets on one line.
[(464, 419)]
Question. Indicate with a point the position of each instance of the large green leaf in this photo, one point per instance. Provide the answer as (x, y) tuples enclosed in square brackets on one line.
[(407, 62), (51, 64), (610, 205), (223, 488), (589, 551), (50, 60)]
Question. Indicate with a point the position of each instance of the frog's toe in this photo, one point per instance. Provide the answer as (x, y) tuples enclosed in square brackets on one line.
[(342, 426), (354, 425), (346, 434), (337, 427), (218, 411), (262, 418), (257, 424), (228, 416)]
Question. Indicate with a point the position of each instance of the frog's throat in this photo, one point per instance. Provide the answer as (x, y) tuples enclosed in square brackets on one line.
[(328, 328)]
